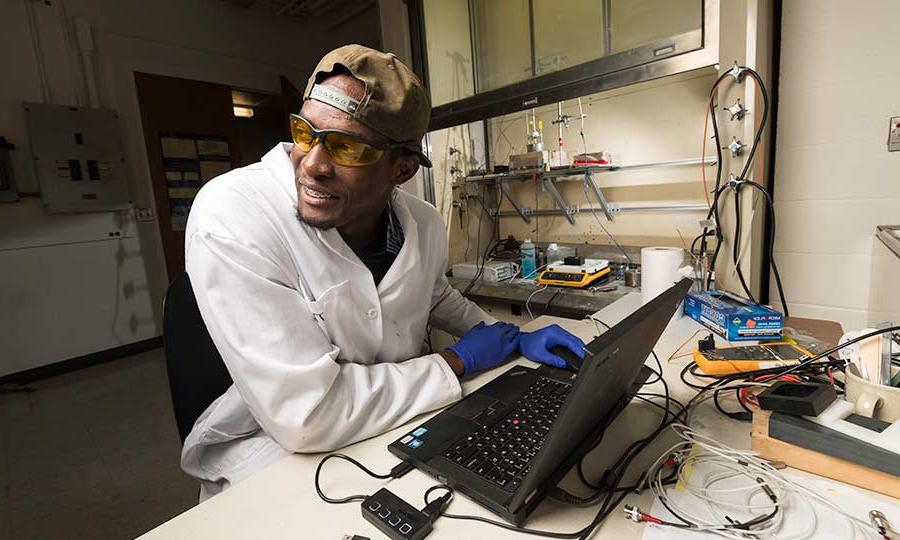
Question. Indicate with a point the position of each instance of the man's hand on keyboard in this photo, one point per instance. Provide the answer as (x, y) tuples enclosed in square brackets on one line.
[(484, 347), (536, 345)]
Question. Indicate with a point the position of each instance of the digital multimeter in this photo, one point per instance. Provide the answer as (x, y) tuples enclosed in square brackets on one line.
[(728, 360)]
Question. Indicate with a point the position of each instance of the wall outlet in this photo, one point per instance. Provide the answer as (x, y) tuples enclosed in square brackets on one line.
[(143, 214), (894, 135)]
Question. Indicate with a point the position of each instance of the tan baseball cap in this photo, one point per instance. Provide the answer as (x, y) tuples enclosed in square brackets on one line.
[(395, 103)]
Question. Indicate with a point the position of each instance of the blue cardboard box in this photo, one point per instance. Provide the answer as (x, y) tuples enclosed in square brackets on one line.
[(733, 317)]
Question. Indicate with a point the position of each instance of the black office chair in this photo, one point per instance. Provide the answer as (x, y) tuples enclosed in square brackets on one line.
[(197, 374)]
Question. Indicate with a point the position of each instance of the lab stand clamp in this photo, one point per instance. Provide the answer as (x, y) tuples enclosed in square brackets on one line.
[(734, 182), (737, 72), (736, 147), (737, 111)]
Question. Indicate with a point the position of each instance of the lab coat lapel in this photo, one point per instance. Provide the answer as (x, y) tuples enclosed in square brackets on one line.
[(409, 255)]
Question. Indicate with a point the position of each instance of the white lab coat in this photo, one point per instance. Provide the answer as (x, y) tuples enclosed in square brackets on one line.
[(320, 356)]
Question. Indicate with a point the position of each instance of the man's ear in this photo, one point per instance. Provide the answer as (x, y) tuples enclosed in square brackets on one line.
[(404, 168)]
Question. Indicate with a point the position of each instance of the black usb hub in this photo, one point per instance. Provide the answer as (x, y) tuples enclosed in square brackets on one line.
[(395, 517)]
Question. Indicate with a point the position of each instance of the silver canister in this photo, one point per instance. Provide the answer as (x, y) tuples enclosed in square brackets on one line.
[(633, 277)]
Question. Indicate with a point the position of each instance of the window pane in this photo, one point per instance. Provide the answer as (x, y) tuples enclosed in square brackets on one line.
[(502, 42), (638, 22), (566, 37), (449, 50)]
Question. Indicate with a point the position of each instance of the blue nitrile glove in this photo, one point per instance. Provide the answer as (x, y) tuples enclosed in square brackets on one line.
[(536, 345), (484, 347)]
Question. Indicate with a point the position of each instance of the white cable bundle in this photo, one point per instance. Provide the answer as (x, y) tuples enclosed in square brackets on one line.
[(762, 479)]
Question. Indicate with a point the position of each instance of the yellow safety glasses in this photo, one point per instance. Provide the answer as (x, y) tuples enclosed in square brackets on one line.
[(345, 149)]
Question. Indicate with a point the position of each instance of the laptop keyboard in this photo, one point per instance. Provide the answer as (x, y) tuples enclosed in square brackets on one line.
[(502, 453)]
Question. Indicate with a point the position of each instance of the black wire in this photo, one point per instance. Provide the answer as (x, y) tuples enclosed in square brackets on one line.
[(477, 240), (836, 348), (740, 415), (674, 513), (737, 245), (714, 210), (762, 122), (487, 252), (591, 317), (698, 237), (351, 498), (657, 372), (743, 179), (692, 368), (630, 452), (439, 486), (481, 264), (804, 368), (680, 415), (690, 384), (524, 530), (771, 208), (635, 488), (552, 298)]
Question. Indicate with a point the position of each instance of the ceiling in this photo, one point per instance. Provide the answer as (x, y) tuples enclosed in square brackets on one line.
[(333, 13)]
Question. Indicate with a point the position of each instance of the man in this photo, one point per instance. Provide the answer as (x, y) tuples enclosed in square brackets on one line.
[(317, 278)]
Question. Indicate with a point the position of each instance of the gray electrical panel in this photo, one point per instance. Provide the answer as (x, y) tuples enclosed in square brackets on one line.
[(78, 158)]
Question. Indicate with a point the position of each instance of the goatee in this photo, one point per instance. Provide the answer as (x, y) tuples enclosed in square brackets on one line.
[(325, 224)]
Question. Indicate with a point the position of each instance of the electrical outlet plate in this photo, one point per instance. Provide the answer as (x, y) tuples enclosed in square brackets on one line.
[(894, 135), (143, 214)]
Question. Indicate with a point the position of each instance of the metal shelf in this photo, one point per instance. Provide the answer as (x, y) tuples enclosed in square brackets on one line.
[(548, 180), (614, 208), (579, 171)]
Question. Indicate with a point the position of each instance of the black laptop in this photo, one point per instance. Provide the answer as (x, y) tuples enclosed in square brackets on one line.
[(508, 442)]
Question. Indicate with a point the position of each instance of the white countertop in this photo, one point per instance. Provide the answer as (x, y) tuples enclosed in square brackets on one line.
[(280, 502)]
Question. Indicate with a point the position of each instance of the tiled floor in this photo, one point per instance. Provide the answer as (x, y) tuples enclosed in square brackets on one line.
[(91, 454)]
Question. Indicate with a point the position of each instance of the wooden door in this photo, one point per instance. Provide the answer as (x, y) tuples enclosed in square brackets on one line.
[(292, 100), (176, 114)]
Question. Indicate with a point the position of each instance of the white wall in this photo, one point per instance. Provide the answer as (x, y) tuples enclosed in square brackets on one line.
[(67, 288), (835, 180)]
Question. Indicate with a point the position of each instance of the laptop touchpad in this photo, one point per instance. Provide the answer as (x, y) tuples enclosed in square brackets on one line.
[(472, 406)]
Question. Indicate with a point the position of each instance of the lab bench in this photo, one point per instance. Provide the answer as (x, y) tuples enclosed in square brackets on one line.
[(506, 300)]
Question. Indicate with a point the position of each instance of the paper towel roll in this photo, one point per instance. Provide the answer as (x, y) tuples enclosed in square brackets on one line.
[(659, 270)]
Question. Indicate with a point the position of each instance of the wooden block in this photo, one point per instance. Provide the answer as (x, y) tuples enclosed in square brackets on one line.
[(818, 463)]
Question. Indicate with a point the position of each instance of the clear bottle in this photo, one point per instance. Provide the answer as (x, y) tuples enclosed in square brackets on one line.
[(553, 254), (529, 259)]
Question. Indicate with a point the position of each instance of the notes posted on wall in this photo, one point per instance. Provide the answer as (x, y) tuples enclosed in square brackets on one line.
[(190, 161)]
